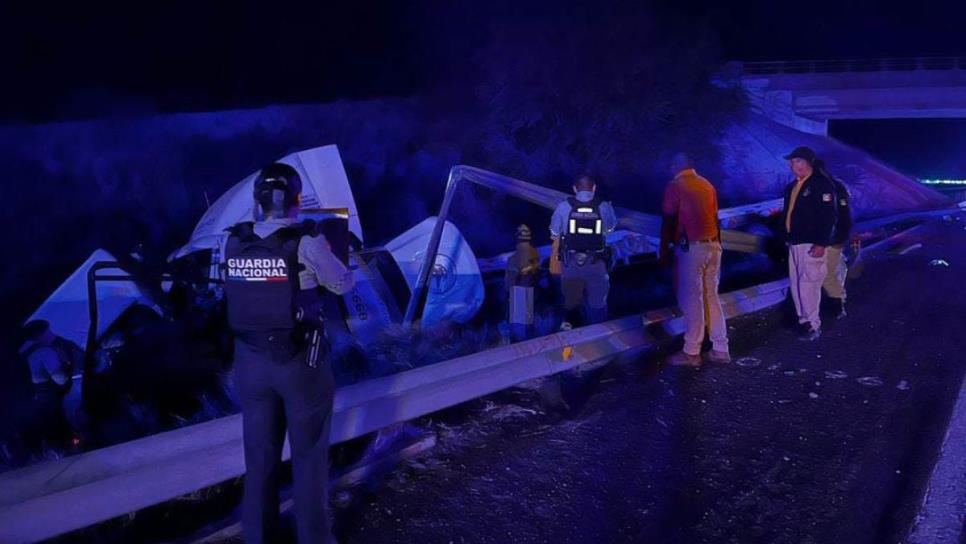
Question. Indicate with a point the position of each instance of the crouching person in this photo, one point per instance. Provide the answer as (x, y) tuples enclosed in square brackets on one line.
[(56, 370)]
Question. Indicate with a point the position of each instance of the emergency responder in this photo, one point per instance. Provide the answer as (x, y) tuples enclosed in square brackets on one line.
[(273, 274), (579, 228), (690, 227), (810, 213), (834, 283), (56, 365), (522, 274)]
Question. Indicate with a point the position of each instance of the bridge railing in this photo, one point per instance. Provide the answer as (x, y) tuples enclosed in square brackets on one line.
[(854, 65)]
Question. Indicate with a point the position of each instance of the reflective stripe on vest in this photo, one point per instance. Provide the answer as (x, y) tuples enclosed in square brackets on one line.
[(585, 227)]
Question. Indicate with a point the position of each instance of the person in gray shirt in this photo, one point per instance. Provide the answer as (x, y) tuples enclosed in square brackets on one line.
[(579, 227)]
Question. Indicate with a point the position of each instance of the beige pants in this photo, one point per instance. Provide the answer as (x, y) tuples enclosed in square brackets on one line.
[(698, 272), (834, 283), (806, 275)]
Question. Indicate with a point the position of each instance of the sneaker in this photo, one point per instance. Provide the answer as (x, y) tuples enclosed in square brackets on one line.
[(684, 359), (716, 356), (566, 326), (809, 334)]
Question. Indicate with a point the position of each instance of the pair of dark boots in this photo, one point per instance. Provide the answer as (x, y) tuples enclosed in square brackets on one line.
[(833, 308)]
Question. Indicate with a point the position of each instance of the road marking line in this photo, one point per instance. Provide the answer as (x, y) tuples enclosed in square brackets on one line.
[(943, 511)]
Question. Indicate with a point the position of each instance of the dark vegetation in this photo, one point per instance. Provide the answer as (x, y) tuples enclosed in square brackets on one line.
[(540, 98)]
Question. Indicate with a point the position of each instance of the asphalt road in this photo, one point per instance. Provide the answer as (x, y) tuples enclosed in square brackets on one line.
[(828, 442)]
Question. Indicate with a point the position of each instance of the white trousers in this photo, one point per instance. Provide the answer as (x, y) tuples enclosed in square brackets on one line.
[(806, 275), (834, 283), (699, 271), (521, 305)]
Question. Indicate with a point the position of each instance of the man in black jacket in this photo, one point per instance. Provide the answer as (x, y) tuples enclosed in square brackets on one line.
[(810, 214)]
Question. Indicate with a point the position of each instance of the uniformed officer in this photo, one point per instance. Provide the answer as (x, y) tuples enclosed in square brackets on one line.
[(579, 228), (810, 214), (834, 283), (522, 274), (56, 368), (273, 274)]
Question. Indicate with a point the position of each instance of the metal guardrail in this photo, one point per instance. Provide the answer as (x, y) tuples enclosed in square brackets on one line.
[(57, 497), (642, 223), (853, 65)]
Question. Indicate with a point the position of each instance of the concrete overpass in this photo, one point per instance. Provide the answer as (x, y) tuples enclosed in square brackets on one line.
[(806, 94)]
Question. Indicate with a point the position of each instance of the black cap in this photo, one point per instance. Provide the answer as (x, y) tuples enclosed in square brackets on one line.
[(802, 152), (278, 178)]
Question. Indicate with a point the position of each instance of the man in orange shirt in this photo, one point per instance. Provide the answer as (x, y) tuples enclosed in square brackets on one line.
[(690, 208)]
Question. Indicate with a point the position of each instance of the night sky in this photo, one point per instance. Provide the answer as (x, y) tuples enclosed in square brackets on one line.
[(75, 59), (924, 148), (83, 60)]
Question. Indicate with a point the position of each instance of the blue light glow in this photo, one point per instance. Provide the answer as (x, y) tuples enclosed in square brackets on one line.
[(943, 181)]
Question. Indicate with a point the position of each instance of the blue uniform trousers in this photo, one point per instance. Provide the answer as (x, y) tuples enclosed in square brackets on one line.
[(275, 397)]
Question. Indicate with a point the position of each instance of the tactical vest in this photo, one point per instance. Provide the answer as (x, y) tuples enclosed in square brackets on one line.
[(262, 279), (584, 232)]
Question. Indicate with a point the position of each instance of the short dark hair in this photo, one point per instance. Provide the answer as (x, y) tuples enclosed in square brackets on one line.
[(682, 160), (586, 182)]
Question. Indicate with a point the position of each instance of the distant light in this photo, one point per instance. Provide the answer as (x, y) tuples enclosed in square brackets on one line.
[(943, 181)]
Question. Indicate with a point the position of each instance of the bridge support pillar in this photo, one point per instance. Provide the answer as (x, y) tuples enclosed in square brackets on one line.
[(779, 106)]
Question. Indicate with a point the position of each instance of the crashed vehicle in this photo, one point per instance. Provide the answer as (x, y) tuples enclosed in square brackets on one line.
[(385, 276), (157, 346)]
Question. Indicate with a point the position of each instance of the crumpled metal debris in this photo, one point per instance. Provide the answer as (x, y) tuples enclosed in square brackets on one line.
[(507, 411), (913, 247)]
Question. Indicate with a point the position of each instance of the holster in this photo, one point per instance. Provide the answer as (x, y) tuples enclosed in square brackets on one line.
[(683, 244), (280, 345), (308, 337), (579, 258), (311, 332)]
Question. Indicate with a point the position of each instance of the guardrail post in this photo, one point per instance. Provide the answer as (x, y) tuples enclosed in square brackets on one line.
[(420, 290)]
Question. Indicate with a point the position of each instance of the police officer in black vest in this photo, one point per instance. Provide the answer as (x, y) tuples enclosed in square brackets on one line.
[(273, 273), (579, 226)]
